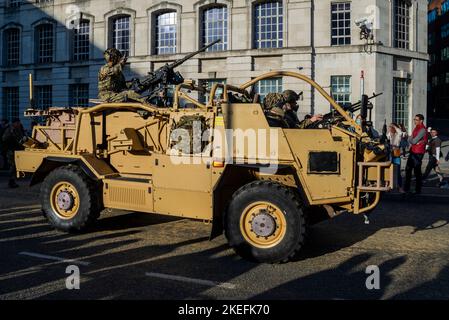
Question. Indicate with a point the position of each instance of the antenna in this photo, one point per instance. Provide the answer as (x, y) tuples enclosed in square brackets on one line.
[(32, 105)]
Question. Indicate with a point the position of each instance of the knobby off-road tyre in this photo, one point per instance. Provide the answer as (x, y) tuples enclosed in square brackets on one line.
[(265, 222), (70, 200)]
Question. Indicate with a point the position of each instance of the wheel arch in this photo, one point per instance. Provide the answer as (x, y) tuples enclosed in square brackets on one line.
[(224, 190), (51, 163)]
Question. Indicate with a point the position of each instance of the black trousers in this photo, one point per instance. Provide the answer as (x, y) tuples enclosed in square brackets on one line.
[(433, 165), (414, 164)]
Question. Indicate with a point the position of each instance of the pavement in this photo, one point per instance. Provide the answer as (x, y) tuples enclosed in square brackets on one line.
[(131, 255)]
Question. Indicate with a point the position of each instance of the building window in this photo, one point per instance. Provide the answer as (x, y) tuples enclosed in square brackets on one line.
[(208, 84), (340, 23), (10, 103), (444, 31), (434, 81), (14, 3), (267, 86), (402, 24), (79, 95), (121, 34), (445, 54), (432, 15), (444, 7), (81, 41), (431, 39), (341, 90), (44, 97), (12, 39), (401, 95), (45, 43), (215, 26), (269, 25), (166, 24)]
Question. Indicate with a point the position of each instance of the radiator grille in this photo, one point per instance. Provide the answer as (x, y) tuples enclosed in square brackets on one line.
[(127, 195)]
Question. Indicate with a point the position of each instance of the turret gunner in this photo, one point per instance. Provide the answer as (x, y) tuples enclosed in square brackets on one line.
[(112, 86)]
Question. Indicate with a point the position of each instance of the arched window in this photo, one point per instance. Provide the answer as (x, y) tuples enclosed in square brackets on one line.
[(12, 46), (81, 41), (44, 43), (166, 34), (121, 33), (215, 26), (268, 25)]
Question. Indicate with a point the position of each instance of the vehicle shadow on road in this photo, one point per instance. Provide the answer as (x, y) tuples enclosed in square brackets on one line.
[(348, 230), (435, 289), (347, 281)]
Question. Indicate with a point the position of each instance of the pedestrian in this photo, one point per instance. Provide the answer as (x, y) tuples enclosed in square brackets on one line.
[(404, 140), (434, 150), (12, 139), (418, 142), (394, 136), (3, 160)]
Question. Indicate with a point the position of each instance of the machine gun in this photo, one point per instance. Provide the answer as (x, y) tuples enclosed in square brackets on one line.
[(363, 105), (165, 76)]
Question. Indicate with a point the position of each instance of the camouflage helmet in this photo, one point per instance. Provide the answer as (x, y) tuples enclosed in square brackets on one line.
[(273, 100), (290, 96), (112, 53)]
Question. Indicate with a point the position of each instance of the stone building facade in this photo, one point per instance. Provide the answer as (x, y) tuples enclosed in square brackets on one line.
[(61, 43)]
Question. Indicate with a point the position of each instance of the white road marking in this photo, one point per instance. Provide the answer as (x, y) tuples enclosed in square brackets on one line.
[(21, 208), (209, 283), (43, 256)]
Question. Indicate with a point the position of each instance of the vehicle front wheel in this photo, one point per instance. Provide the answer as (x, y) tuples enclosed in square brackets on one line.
[(265, 222), (70, 200)]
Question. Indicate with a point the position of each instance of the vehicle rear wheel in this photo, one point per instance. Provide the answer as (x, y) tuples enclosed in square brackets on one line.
[(265, 222), (70, 200)]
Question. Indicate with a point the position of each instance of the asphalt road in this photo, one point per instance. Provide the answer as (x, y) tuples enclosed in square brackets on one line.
[(142, 256)]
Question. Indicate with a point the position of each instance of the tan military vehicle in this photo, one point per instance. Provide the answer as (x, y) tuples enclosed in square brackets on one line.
[(263, 190)]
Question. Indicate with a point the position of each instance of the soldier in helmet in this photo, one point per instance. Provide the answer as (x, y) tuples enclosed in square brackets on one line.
[(291, 108), (112, 86), (284, 105), (273, 107)]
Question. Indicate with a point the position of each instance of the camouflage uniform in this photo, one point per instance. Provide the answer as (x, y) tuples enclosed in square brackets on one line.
[(112, 86), (273, 104), (305, 124)]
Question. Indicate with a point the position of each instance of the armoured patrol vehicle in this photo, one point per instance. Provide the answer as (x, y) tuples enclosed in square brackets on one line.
[(263, 190)]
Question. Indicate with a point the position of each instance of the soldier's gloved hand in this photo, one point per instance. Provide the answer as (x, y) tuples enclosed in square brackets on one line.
[(316, 118)]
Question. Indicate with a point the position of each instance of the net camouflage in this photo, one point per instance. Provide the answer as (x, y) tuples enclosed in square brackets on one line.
[(194, 125)]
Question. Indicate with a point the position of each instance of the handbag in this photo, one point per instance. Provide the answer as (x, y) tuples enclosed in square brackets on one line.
[(396, 153)]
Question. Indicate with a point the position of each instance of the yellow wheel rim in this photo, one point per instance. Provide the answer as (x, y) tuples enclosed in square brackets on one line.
[(263, 225), (65, 200)]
